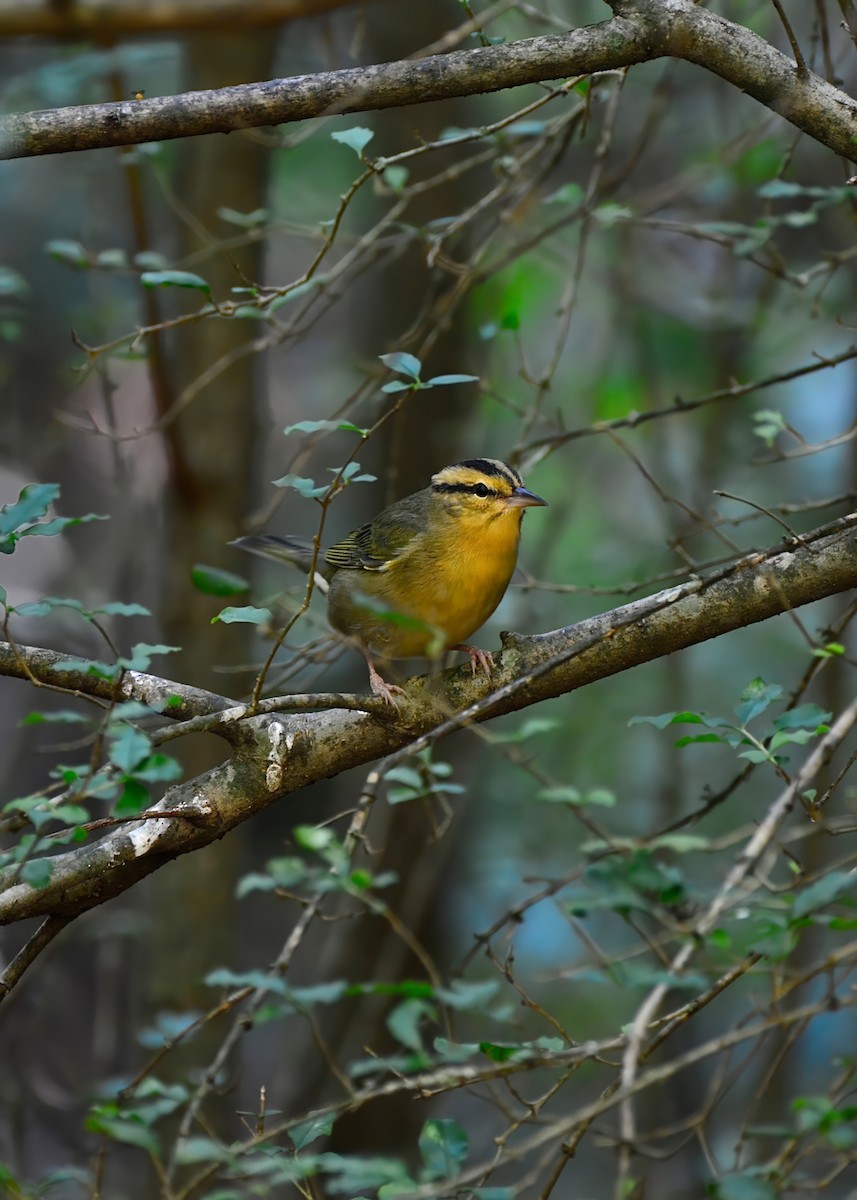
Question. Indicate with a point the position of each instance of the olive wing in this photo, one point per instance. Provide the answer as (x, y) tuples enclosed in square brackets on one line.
[(376, 545)]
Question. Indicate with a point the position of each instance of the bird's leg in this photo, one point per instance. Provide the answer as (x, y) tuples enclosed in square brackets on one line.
[(387, 691), (482, 659)]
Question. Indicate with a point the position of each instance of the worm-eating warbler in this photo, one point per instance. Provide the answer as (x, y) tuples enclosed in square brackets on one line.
[(427, 572)]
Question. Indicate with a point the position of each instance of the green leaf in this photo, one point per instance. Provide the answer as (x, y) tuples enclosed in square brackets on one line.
[(69, 252), (37, 873), (405, 1019), (569, 193), (128, 747), (134, 798), (59, 524), (13, 284), (223, 977), (444, 1146), (396, 385), (293, 293), (757, 756), (150, 260), (182, 279), (243, 220), (142, 654), (463, 996), (57, 716), (159, 768), (829, 650), (702, 737), (570, 795), (611, 213), (395, 178), (130, 1130), (319, 993), (799, 737), (530, 728), (648, 976), (823, 891), (777, 189), (319, 426), (665, 719), (314, 837), (112, 260), (280, 873), (311, 1130), (681, 843), (69, 814), (601, 797), (406, 775), (805, 716), (247, 615), (443, 380), (214, 581), (201, 1150), (775, 940), (755, 698), (403, 363), (746, 1186), (40, 608), (116, 608), (454, 1052), (304, 487), (357, 138), (499, 1053), (33, 502), (348, 474), (769, 424)]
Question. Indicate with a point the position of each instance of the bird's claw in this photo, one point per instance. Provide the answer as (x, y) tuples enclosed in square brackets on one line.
[(387, 691), (482, 660)]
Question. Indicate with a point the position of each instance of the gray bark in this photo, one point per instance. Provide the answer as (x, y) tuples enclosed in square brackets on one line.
[(638, 32), (274, 754)]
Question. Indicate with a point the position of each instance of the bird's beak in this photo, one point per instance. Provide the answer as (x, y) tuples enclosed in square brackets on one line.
[(523, 498)]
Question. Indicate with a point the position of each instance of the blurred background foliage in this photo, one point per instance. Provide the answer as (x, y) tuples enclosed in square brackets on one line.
[(627, 245)]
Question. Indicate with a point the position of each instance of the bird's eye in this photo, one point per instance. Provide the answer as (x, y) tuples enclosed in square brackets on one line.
[(480, 489)]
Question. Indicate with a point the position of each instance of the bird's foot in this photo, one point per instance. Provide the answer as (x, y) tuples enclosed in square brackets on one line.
[(387, 691), (481, 659)]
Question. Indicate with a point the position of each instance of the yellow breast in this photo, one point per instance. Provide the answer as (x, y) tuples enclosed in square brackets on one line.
[(451, 579)]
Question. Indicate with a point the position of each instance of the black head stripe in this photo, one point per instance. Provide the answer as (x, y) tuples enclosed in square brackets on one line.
[(488, 466)]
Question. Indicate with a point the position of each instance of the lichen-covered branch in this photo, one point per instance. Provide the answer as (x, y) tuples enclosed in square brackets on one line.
[(639, 31), (274, 755)]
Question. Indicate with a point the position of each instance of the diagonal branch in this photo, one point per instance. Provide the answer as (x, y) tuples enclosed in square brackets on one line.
[(274, 755), (639, 31)]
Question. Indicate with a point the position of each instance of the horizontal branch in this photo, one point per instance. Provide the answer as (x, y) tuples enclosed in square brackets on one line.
[(639, 31), (178, 701), (276, 755), (357, 89)]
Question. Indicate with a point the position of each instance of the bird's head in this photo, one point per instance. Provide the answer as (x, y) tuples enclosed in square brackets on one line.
[(482, 489)]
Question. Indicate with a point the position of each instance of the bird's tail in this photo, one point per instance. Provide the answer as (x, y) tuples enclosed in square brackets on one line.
[(297, 551)]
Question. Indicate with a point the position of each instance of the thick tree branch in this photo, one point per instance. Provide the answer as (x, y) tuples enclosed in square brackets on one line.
[(639, 31), (276, 755)]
